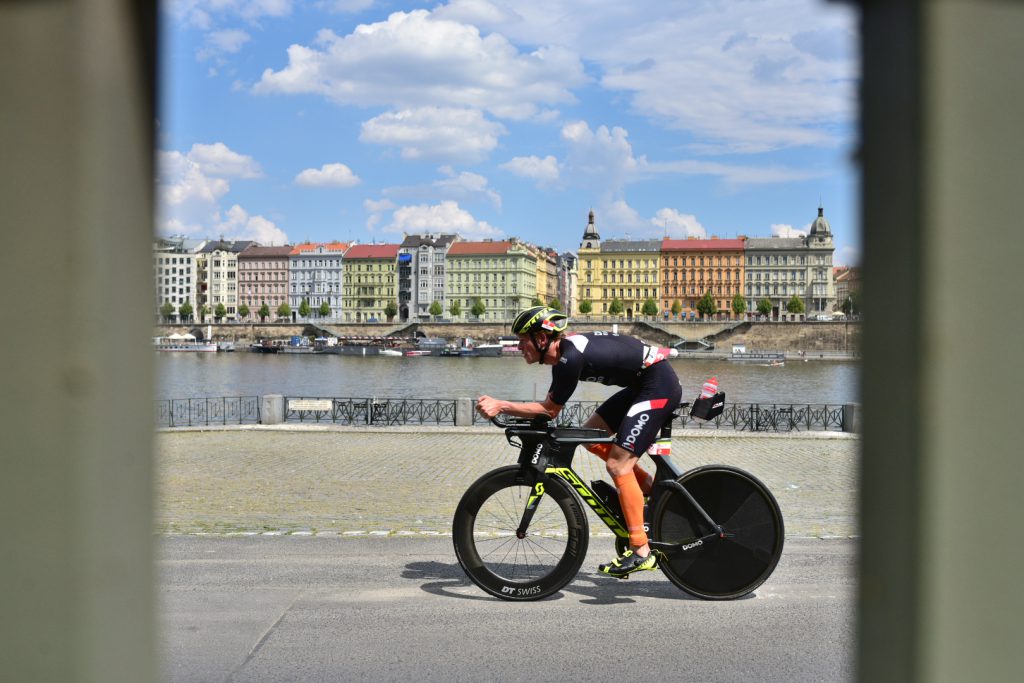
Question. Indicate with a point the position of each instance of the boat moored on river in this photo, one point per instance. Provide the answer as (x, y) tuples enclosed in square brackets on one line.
[(183, 342)]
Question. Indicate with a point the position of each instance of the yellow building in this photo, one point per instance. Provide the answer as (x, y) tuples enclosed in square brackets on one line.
[(370, 282), (547, 273), (623, 272)]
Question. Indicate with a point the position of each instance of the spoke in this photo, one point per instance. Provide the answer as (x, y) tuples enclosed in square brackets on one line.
[(533, 544)]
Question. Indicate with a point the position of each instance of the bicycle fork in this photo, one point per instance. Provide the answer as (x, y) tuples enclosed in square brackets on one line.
[(531, 507)]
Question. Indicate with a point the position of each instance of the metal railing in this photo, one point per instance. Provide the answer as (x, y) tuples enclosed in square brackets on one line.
[(371, 411), (198, 412), (751, 417)]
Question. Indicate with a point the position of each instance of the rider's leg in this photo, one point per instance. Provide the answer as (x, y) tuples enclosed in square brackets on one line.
[(620, 465), (643, 478)]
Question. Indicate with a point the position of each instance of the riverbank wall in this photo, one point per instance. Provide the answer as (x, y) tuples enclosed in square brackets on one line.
[(811, 338)]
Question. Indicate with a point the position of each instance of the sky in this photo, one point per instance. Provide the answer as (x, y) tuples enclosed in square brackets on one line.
[(363, 120)]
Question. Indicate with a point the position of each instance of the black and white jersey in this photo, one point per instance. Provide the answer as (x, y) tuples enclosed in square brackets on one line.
[(604, 357)]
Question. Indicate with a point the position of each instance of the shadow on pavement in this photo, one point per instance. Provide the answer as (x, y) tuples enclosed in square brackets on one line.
[(448, 580)]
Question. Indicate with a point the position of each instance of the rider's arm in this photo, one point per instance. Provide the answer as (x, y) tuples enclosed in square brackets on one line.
[(489, 407)]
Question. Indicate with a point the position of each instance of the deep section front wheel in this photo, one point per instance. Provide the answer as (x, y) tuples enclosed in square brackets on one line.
[(519, 566), (720, 568)]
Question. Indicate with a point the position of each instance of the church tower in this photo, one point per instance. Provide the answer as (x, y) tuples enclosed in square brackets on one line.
[(821, 231), (591, 240)]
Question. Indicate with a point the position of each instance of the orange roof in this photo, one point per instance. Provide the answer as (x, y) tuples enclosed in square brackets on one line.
[(372, 251), (328, 246), (701, 245), (466, 248)]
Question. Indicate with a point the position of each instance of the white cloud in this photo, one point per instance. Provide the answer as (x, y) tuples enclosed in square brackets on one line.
[(376, 209), (620, 220), (345, 6), (219, 43), (435, 133), (786, 230), (733, 174), (446, 216), (466, 185), (239, 225), (182, 181), (328, 175), (190, 188), (203, 14), (740, 76), (416, 59), (599, 159), (218, 160), (847, 256), (678, 225), (542, 170)]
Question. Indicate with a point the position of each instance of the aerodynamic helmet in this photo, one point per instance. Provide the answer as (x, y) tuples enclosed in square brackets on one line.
[(540, 319)]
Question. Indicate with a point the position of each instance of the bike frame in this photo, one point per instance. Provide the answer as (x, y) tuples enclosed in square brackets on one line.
[(546, 451)]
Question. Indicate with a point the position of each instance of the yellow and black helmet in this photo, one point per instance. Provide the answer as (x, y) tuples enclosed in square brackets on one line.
[(540, 319)]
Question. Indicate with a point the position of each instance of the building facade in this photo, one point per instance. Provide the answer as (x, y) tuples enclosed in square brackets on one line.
[(421, 275), (568, 276), (617, 273), (217, 270), (263, 279), (316, 276), (176, 275), (691, 268), (547, 273), (779, 268), (500, 275), (370, 282), (847, 282)]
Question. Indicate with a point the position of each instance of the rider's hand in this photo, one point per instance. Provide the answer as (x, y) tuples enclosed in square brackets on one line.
[(488, 407)]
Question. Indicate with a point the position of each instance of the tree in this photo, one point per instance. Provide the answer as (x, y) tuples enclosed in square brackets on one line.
[(167, 310), (185, 311), (555, 303), (284, 310), (676, 308), (739, 304), (325, 310), (435, 309), (391, 310), (586, 306), (478, 308), (650, 307), (220, 312), (264, 312), (304, 308), (616, 307), (851, 306), (537, 301), (455, 308), (243, 311), (204, 311), (795, 305), (706, 306), (764, 307)]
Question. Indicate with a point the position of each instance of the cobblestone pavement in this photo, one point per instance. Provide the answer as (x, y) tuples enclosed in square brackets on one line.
[(356, 481)]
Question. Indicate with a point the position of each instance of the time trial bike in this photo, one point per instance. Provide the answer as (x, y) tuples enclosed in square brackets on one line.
[(521, 533)]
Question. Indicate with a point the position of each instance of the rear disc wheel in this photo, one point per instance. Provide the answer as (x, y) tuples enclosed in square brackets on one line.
[(720, 568)]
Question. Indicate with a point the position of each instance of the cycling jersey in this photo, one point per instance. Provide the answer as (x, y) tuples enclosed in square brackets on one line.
[(652, 388)]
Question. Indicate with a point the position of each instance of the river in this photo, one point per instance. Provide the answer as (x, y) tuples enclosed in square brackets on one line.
[(199, 375)]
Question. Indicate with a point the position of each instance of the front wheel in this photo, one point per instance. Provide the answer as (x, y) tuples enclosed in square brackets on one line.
[(719, 568), (496, 559)]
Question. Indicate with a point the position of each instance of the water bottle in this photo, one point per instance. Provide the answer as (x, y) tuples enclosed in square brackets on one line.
[(710, 388)]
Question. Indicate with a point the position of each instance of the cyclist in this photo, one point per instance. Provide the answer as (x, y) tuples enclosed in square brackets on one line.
[(634, 415)]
